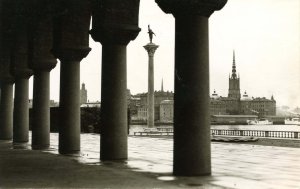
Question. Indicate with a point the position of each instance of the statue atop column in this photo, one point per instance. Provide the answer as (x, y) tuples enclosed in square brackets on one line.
[(150, 48), (151, 33)]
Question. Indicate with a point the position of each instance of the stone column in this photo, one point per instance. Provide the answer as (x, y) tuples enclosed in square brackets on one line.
[(192, 154), (69, 104), (113, 103), (42, 62), (41, 111), (150, 48), (6, 79), (22, 73), (21, 111), (71, 45), (114, 31), (6, 111)]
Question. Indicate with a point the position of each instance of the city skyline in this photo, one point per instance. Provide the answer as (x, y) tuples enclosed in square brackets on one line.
[(264, 34)]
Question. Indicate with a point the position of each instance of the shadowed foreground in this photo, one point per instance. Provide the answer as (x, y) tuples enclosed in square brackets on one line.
[(36, 169), (234, 165)]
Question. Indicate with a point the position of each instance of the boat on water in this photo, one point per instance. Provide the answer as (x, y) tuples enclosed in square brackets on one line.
[(292, 121), (262, 121)]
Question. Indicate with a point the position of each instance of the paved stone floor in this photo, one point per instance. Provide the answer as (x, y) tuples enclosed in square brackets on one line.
[(234, 165)]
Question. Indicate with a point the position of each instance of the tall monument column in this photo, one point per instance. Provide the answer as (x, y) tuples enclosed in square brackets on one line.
[(150, 48), (192, 154), (71, 45), (114, 31)]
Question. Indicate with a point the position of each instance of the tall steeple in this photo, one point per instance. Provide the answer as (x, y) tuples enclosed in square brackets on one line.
[(234, 82), (233, 66), (162, 85)]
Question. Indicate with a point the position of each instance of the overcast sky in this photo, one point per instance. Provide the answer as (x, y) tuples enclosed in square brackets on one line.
[(265, 35)]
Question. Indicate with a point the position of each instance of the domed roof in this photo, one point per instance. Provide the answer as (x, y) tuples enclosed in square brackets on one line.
[(245, 96), (215, 95)]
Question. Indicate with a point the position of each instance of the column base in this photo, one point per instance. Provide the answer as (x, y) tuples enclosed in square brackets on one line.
[(5, 141), (40, 147), (20, 145), (69, 153)]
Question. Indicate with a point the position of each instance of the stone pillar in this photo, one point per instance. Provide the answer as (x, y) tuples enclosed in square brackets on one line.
[(192, 154), (41, 111), (22, 73), (71, 45), (150, 48), (42, 62), (21, 111), (114, 31), (6, 79), (113, 103), (6, 111), (69, 124)]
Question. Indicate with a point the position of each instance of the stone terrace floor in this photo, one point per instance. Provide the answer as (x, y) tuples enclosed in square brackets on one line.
[(234, 165)]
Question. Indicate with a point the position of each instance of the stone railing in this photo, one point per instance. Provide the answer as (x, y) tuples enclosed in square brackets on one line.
[(256, 133), (226, 132)]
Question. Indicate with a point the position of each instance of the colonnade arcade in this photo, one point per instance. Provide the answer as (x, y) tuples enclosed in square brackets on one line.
[(35, 33)]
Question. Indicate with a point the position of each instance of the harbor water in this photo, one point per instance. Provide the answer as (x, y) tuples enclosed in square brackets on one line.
[(141, 150)]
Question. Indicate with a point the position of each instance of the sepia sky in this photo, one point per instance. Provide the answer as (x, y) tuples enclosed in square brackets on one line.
[(265, 35)]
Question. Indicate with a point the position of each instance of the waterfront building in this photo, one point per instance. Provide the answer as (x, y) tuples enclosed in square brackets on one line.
[(166, 110), (217, 105), (142, 114), (83, 94), (96, 104), (234, 104), (139, 103), (159, 96)]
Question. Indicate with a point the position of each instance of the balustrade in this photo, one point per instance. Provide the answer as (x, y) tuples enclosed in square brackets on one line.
[(256, 133)]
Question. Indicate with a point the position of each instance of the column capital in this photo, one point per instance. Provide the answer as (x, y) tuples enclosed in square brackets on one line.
[(5, 75), (19, 66), (71, 54), (151, 48), (115, 21), (5, 59), (43, 64), (110, 34), (40, 44), (40, 25), (191, 7), (22, 73), (71, 31), (6, 78)]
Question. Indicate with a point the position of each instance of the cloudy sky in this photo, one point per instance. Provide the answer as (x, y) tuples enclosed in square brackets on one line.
[(265, 35)]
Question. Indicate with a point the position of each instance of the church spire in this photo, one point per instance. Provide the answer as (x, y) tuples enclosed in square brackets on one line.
[(162, 85), (234, 82), (233, 66)]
